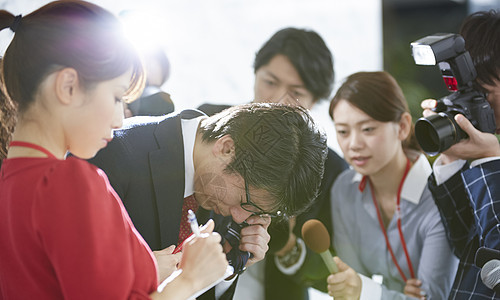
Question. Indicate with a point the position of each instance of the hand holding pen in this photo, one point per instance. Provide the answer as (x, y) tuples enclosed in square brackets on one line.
[(169, 258), (195, 229), (203, 262)]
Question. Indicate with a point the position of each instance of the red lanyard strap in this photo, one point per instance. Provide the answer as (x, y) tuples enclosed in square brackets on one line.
[(398, 214), (32, 146)]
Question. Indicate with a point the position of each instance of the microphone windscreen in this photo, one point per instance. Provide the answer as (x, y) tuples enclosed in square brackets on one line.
[(490, 274), (483, 255), (316, 236)]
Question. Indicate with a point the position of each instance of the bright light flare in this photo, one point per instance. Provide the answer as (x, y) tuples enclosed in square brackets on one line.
[(423, 54), (144, 29)]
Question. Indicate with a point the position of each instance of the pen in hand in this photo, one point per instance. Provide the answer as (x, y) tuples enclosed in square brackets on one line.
[(194, 223), (196, 232)]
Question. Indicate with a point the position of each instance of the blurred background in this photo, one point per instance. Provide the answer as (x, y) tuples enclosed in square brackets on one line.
[(211, 44)]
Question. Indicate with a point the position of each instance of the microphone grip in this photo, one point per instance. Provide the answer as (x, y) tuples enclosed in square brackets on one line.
[(330, 264)]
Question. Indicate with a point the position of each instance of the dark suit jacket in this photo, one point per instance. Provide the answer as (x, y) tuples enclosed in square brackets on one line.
[(145, 165), (313, 272), (153, 102), (212, 109)]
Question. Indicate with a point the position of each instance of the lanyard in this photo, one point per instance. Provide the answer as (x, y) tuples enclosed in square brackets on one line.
[(398, 214), (32, 146)]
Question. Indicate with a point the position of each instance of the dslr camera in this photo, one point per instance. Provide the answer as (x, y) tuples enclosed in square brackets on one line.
[(439, 132)]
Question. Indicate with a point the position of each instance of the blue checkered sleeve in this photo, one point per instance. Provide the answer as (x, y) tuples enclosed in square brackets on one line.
[(469, 204), (455, 210), (483, 188)]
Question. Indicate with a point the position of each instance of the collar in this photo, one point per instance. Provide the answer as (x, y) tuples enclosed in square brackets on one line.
[(189, 130), (415, 181)]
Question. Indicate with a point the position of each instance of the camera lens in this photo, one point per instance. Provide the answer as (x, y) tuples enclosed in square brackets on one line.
[(436, 133)]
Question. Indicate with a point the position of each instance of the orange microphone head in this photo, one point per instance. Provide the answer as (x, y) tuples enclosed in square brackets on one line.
[(316, 236)]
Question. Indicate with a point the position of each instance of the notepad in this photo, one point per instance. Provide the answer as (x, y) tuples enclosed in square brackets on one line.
[(229, 272)]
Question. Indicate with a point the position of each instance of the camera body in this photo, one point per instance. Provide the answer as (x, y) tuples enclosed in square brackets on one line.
[(439, 132)]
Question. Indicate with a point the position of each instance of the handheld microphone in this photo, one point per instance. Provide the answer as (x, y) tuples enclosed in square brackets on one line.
[(317, 238), (483, 255), (490, 275), (489, 261)]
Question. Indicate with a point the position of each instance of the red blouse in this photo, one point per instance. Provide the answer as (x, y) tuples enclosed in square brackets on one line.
[(64, 233)]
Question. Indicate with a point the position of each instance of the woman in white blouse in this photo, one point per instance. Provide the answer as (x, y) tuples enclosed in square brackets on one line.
[(386, 224)]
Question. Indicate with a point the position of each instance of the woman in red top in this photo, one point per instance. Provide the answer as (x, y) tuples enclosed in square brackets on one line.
[(64, 232)]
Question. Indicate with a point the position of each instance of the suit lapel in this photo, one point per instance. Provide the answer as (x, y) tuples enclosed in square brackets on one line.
[(167, 172)]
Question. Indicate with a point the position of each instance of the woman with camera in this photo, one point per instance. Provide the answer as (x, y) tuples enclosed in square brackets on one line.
[(385, 222)]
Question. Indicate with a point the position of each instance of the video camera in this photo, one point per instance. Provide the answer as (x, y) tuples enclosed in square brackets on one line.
[(439, 132)]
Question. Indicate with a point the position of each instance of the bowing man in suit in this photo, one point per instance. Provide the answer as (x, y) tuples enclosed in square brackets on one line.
[(249, 163), (293, 67)]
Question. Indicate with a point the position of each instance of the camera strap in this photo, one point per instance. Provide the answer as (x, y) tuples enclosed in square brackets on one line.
[(398, 214)]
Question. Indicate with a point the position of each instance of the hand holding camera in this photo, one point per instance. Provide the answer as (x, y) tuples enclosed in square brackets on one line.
[(465, 113), (478, 145)]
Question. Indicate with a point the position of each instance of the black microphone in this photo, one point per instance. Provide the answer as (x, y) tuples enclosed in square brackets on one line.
[(483, 255), (489, 262), (317, 238)]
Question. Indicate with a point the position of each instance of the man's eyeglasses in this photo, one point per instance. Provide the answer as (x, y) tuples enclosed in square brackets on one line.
[(254, 209)]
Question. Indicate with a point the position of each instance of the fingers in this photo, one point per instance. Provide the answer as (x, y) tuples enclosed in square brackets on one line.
[(414, 282), (208, 227), (341, 286), (291, 223), (336, 285), (254, 239), (216, 236), (478, 145), (337, 279), (340, 264), (211, 235), (466, 125), (428, 104), (254, 234), (412, 289), (167, 262), (167, 250), (201, 244), (345, 284), (262, 220), (203, 261)]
